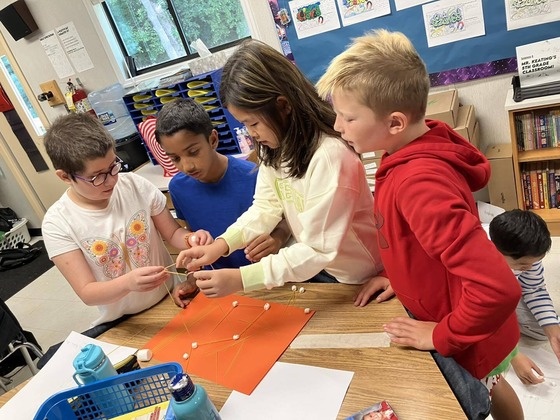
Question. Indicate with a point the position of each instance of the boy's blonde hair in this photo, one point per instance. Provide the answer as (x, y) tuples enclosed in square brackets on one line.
[(74, 139), (385, 73)]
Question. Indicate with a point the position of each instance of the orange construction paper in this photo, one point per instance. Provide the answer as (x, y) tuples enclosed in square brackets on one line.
[(212, 323)]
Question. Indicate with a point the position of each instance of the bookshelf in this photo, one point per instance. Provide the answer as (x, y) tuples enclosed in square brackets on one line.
[(535, 136)]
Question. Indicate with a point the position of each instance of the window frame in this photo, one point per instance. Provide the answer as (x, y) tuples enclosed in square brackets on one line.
[(257, 13), (190, 54)]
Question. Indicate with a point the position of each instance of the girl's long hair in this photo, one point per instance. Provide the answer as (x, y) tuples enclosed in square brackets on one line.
[(253, 78)]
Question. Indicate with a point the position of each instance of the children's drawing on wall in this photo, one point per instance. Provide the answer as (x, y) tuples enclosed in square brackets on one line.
[(356, 11), (520, 14), (453, 20), (313, 17), (282, 20)]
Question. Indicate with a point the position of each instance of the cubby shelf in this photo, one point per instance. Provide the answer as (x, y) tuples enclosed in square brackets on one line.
[(204, 89)]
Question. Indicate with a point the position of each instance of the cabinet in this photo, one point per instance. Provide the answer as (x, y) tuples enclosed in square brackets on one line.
[(204, 88), (535, 136)]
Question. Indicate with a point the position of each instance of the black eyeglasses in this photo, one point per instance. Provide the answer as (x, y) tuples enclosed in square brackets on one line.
[(100, 178)]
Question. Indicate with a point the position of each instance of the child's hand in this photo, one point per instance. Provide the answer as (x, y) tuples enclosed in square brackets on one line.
[(219, 283), (370, 288), (185, 292), (411, 332), (195, 258), (553, 334), (525, 370), (200, 237), (144, 279), (262, 246)]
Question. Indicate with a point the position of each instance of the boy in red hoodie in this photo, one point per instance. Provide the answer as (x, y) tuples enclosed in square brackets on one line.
[(442, 267)]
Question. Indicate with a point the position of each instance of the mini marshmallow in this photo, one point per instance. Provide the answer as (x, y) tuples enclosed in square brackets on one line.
[(266, 306), (302, 289), (307, 310), (194, 345), (144, 355), (236, 337), (234, 303), (185, 356), (294, 288)]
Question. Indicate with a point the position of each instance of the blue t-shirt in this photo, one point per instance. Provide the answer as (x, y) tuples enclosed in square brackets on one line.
[(215, 206)]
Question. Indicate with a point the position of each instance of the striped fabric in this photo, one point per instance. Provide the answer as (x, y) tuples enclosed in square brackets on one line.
[(535, 295)]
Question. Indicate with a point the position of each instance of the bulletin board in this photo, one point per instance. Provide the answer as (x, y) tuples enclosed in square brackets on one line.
[(313, 54)]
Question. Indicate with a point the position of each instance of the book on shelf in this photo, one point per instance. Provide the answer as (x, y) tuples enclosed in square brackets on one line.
[(534, 186), (540, 185)]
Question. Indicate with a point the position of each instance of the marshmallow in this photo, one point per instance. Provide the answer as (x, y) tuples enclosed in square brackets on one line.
[(302, 289), (234, 303), (236, 337), (185, 356), (266, 306), (294, 288), (194, 345), (307, 310), (144, 355)]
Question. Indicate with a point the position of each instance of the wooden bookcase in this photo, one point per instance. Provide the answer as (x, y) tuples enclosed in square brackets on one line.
[(528, 132)]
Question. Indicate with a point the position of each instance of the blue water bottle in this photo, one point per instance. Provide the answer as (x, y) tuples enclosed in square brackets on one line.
[(190, 401), (92, 365)]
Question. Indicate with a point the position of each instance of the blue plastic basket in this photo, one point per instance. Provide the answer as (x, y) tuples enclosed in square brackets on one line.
[(113, 396)]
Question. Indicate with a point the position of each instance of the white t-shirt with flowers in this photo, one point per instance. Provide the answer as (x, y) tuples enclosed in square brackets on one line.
[(114, 240)]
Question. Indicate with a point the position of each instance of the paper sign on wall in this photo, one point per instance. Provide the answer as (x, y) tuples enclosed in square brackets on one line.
[(539, 62), (56, 55), (74, 47)]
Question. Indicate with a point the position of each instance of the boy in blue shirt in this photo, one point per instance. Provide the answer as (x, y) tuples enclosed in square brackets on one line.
[(212, 190)]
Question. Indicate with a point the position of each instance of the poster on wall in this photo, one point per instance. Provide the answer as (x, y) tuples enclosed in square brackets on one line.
[(521, 14), (356, 11), (74, 47), (406, 4), (281, 21), (450, 21), (313, 17), (539, 62), (56, 55)]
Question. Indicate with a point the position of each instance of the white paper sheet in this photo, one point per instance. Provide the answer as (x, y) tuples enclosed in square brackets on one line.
[(291, 391), (341, 341), (56, 376), (74, 47), (313, 17), (521, 14), (539, 62), (449, 21), (541, 401), (56, 55), (362, 10)]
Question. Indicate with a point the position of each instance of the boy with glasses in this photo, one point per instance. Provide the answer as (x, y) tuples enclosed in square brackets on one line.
[(105, 233)]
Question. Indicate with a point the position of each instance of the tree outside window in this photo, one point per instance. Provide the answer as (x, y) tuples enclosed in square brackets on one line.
[(157, 33)]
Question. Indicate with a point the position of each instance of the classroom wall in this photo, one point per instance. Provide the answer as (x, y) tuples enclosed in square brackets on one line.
[(487, 95)]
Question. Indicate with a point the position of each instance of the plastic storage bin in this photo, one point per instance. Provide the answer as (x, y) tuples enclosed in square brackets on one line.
[(112, 112), (18, 233), (147, 386)]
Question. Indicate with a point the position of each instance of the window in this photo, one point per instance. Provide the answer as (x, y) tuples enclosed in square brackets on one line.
[(13, 79), (157, 33)]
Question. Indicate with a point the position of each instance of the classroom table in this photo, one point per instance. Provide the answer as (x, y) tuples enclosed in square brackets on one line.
[(407, 378)]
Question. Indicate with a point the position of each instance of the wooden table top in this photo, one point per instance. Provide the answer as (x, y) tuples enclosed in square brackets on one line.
[(407, 378)]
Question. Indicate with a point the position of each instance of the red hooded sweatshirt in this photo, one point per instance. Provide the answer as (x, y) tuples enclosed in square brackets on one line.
[(440, 262)]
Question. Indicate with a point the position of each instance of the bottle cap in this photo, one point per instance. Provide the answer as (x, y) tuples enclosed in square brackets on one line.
[(181, 386), (89, 358)]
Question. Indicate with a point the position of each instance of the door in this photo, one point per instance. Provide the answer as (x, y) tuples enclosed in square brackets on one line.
[(28, 183)]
